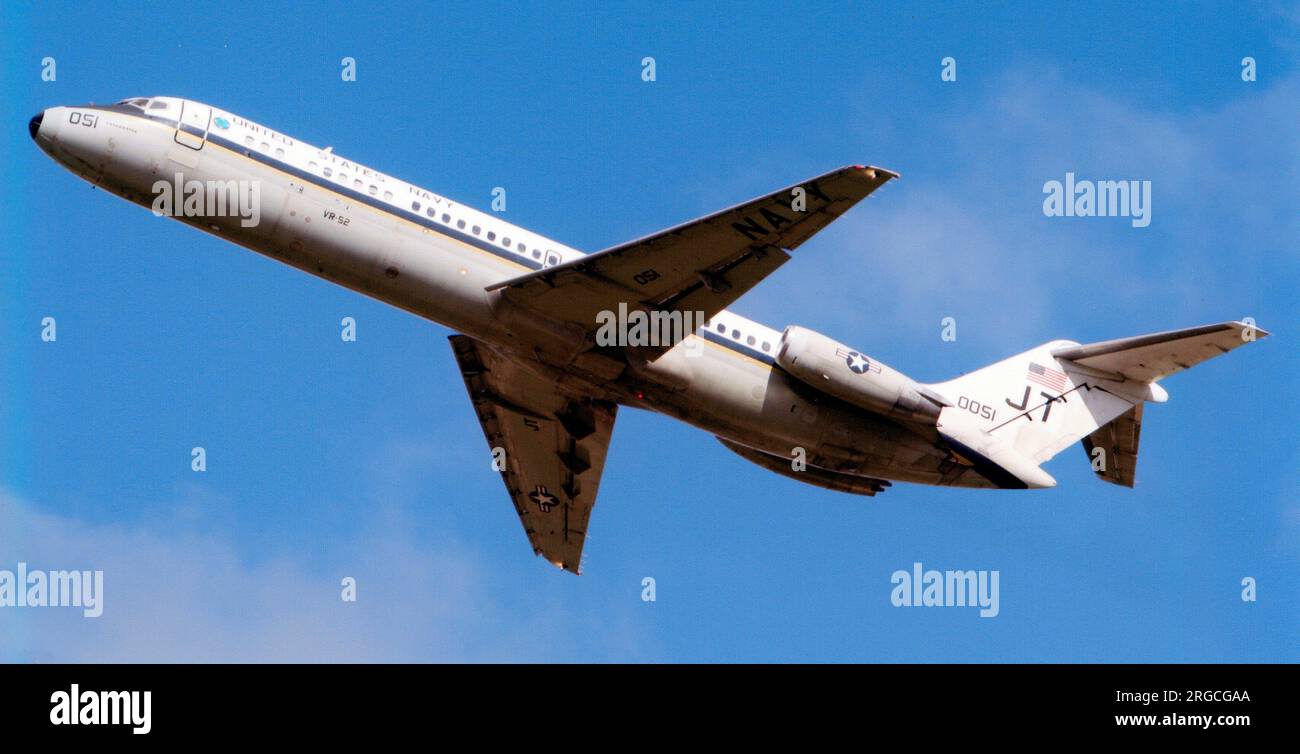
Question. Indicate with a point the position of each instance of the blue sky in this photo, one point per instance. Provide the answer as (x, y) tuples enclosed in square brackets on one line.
[(329, 459)]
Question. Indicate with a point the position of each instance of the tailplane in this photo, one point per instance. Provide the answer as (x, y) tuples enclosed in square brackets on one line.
[(1011, 416)]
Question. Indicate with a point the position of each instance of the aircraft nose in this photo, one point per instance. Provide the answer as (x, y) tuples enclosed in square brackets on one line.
[(34, 125)]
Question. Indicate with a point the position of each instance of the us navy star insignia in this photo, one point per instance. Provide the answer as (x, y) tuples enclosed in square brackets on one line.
[(544, 499), (857, 362)]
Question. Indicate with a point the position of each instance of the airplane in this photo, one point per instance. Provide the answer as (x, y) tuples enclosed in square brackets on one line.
[(529, 314)]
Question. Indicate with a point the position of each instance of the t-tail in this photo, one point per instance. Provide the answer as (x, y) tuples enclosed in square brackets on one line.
[(1008, 418)]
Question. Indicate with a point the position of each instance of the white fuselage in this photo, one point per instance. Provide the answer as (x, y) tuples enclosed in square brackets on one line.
[(435, 257)]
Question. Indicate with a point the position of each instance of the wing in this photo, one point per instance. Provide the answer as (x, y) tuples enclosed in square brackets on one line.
[(554, 445), (831, 480), (1147, 358), (699, 266)]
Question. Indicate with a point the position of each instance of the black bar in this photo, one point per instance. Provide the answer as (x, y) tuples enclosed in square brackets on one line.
[(548, 705)]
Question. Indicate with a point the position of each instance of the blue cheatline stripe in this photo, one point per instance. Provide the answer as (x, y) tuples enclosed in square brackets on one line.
[(387, 208), (730, 344), (325, 183)]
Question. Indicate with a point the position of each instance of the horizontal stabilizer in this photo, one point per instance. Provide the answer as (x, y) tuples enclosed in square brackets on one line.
[(1147, 358), (1118, 445)]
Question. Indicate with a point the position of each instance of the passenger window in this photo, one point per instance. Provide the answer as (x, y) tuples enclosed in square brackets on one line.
[(460, 224), (522, 248), (415, 206), (356, 183), (749, 341), (552, 258), (266, 147), (279, 152), (476, 230), (446, 218), (735, 334), (430, 213), (388, 196), (343, 177), (505, 242), (248, 141), (312, 165), (767, 346), (328, 172), (722, 328), (492, 236), (374, 190)]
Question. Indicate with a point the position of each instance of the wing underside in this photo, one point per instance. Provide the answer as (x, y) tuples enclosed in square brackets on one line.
[(548, 445), (820, 477)]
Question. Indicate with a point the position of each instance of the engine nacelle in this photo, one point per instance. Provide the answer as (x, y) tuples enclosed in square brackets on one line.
[(838, 370)]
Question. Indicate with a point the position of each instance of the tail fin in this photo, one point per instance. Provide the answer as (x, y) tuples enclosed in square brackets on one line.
[(1035, 404)]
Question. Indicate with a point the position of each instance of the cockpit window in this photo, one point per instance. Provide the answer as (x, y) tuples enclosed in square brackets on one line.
[(136, 102), (158, 105)]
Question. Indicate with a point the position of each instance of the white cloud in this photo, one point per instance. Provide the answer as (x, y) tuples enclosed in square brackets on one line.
[(189, 596)]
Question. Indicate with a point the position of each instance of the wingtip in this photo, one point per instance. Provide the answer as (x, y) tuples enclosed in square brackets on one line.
[(1258, 331), (560, 564), (872, 171)]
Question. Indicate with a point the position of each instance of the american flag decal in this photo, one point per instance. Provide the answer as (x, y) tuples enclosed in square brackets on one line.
[(1046, 376)]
